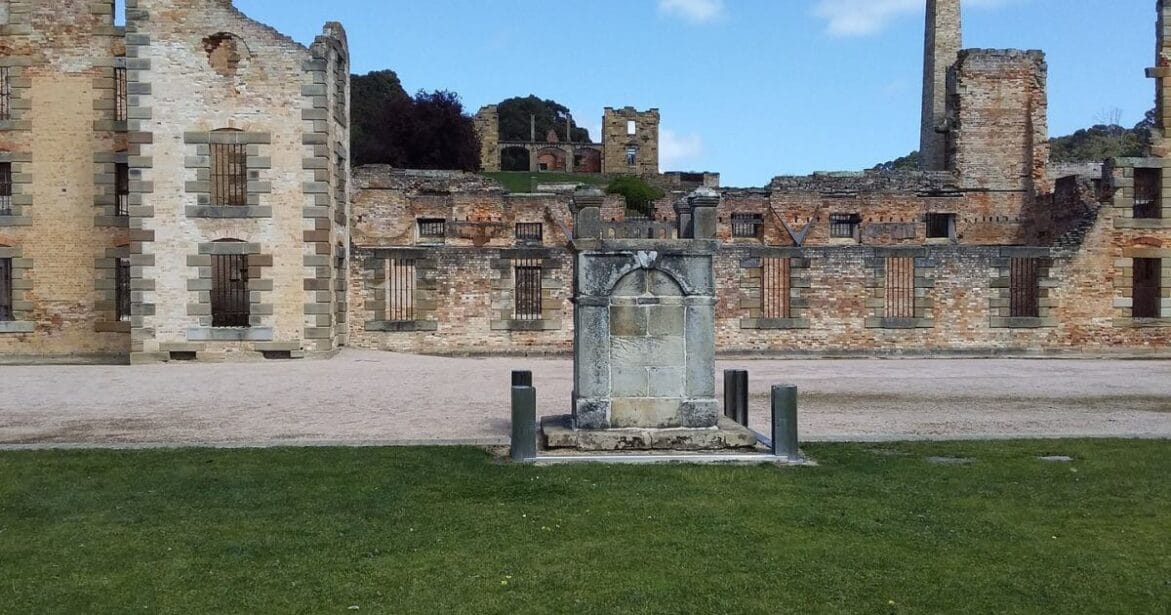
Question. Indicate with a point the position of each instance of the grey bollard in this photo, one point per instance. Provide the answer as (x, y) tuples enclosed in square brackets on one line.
[(522, 378), (742, 397), (730, 393), (524, 423), (736, 395), (785, 422)]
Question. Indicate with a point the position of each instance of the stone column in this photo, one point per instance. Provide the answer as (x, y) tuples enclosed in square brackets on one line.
[(704, 202)]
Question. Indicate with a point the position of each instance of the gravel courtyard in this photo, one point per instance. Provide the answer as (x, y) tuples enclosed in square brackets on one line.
[(365, 397)]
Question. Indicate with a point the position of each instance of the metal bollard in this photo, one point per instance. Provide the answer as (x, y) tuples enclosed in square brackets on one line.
[(785, 422), (736, 395), (522, 378), (524, 423), (730, 393)]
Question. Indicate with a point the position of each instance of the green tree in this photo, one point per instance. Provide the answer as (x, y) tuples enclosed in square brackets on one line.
[(640, 196), (427, 131), (515, 114)]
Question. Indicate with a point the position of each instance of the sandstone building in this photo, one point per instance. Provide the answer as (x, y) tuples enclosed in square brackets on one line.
[(181, 189), (172, 189), (630, 145)]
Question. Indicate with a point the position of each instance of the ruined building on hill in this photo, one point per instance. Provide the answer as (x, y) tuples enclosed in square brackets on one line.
[(180, 189)]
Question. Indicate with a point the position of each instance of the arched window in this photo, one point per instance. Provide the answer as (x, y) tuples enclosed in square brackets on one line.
[(229, 169), (230, 303)]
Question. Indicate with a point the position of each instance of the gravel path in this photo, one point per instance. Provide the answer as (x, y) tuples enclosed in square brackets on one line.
[(365, 397)]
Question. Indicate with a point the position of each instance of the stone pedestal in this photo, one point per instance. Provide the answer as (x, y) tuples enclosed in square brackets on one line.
[(644, 334)]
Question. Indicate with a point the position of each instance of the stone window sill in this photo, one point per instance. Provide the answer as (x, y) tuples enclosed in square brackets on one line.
[(6, 220), (122, 326), (526, 325), (899, 323), (774, 323), (402, 326), (212, 211), (112, 221), (1142, 223), (1142, 323), (17, 326), (1021, 322), (230, 334)]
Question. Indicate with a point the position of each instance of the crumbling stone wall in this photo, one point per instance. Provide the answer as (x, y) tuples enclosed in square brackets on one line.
[(1000, 120), (198, 67), (60, 57), (618, 139), (487, 126)]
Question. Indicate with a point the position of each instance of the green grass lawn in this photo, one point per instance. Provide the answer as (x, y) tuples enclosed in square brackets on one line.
[(525, 181), (872, 529)]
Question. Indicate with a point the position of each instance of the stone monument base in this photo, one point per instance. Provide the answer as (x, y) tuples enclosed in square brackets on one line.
[(557, 432)]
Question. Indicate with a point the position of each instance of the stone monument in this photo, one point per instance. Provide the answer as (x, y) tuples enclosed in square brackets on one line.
[(644, 333)]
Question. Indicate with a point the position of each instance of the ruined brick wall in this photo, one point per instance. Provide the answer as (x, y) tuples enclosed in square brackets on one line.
[(941, 50), (62, 139), (487, 126), (459, 295), (204, 74), (999, 108), (618, 139)]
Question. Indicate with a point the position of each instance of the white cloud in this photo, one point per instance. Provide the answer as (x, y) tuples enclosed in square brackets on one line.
[(695, 11), (864, 17), (676, 149)]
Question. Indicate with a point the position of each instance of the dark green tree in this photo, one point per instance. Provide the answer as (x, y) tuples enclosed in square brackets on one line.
[(515, 114), (428, 131)]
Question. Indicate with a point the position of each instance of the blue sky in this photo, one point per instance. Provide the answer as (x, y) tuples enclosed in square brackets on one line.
[(749, 88)]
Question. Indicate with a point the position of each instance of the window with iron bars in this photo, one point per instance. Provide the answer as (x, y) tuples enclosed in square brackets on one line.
[(5, 188), (940, 226), (900, 287), (121, 189), (1147, 188), (1024, 276), (432, 229), (843, 226), (530, 232), (229, 175), (774, 288), (747, 225), (528, 289), (399, 290), (5, 289), (122, 289), (5, 94), (230, 301), (121, 100), (1147, 287)]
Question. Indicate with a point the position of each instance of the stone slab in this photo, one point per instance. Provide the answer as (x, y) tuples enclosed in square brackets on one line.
[(557, 432)]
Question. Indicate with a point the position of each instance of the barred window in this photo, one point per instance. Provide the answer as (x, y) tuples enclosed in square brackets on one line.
[(900, 287), (229, 173), (5, 94), (5, 188), (844, 226), (530, 232), (121, 100), (941, 226), (528, 289), (122, 289), (399, 289), (431, 229), (746, 225), (121, 189), (1024, 275), (1147, 188), (774, 287), (230, 303), (1147, 287), (5, 289)]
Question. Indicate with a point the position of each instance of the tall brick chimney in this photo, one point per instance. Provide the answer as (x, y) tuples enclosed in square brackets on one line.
[(940, 51)]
